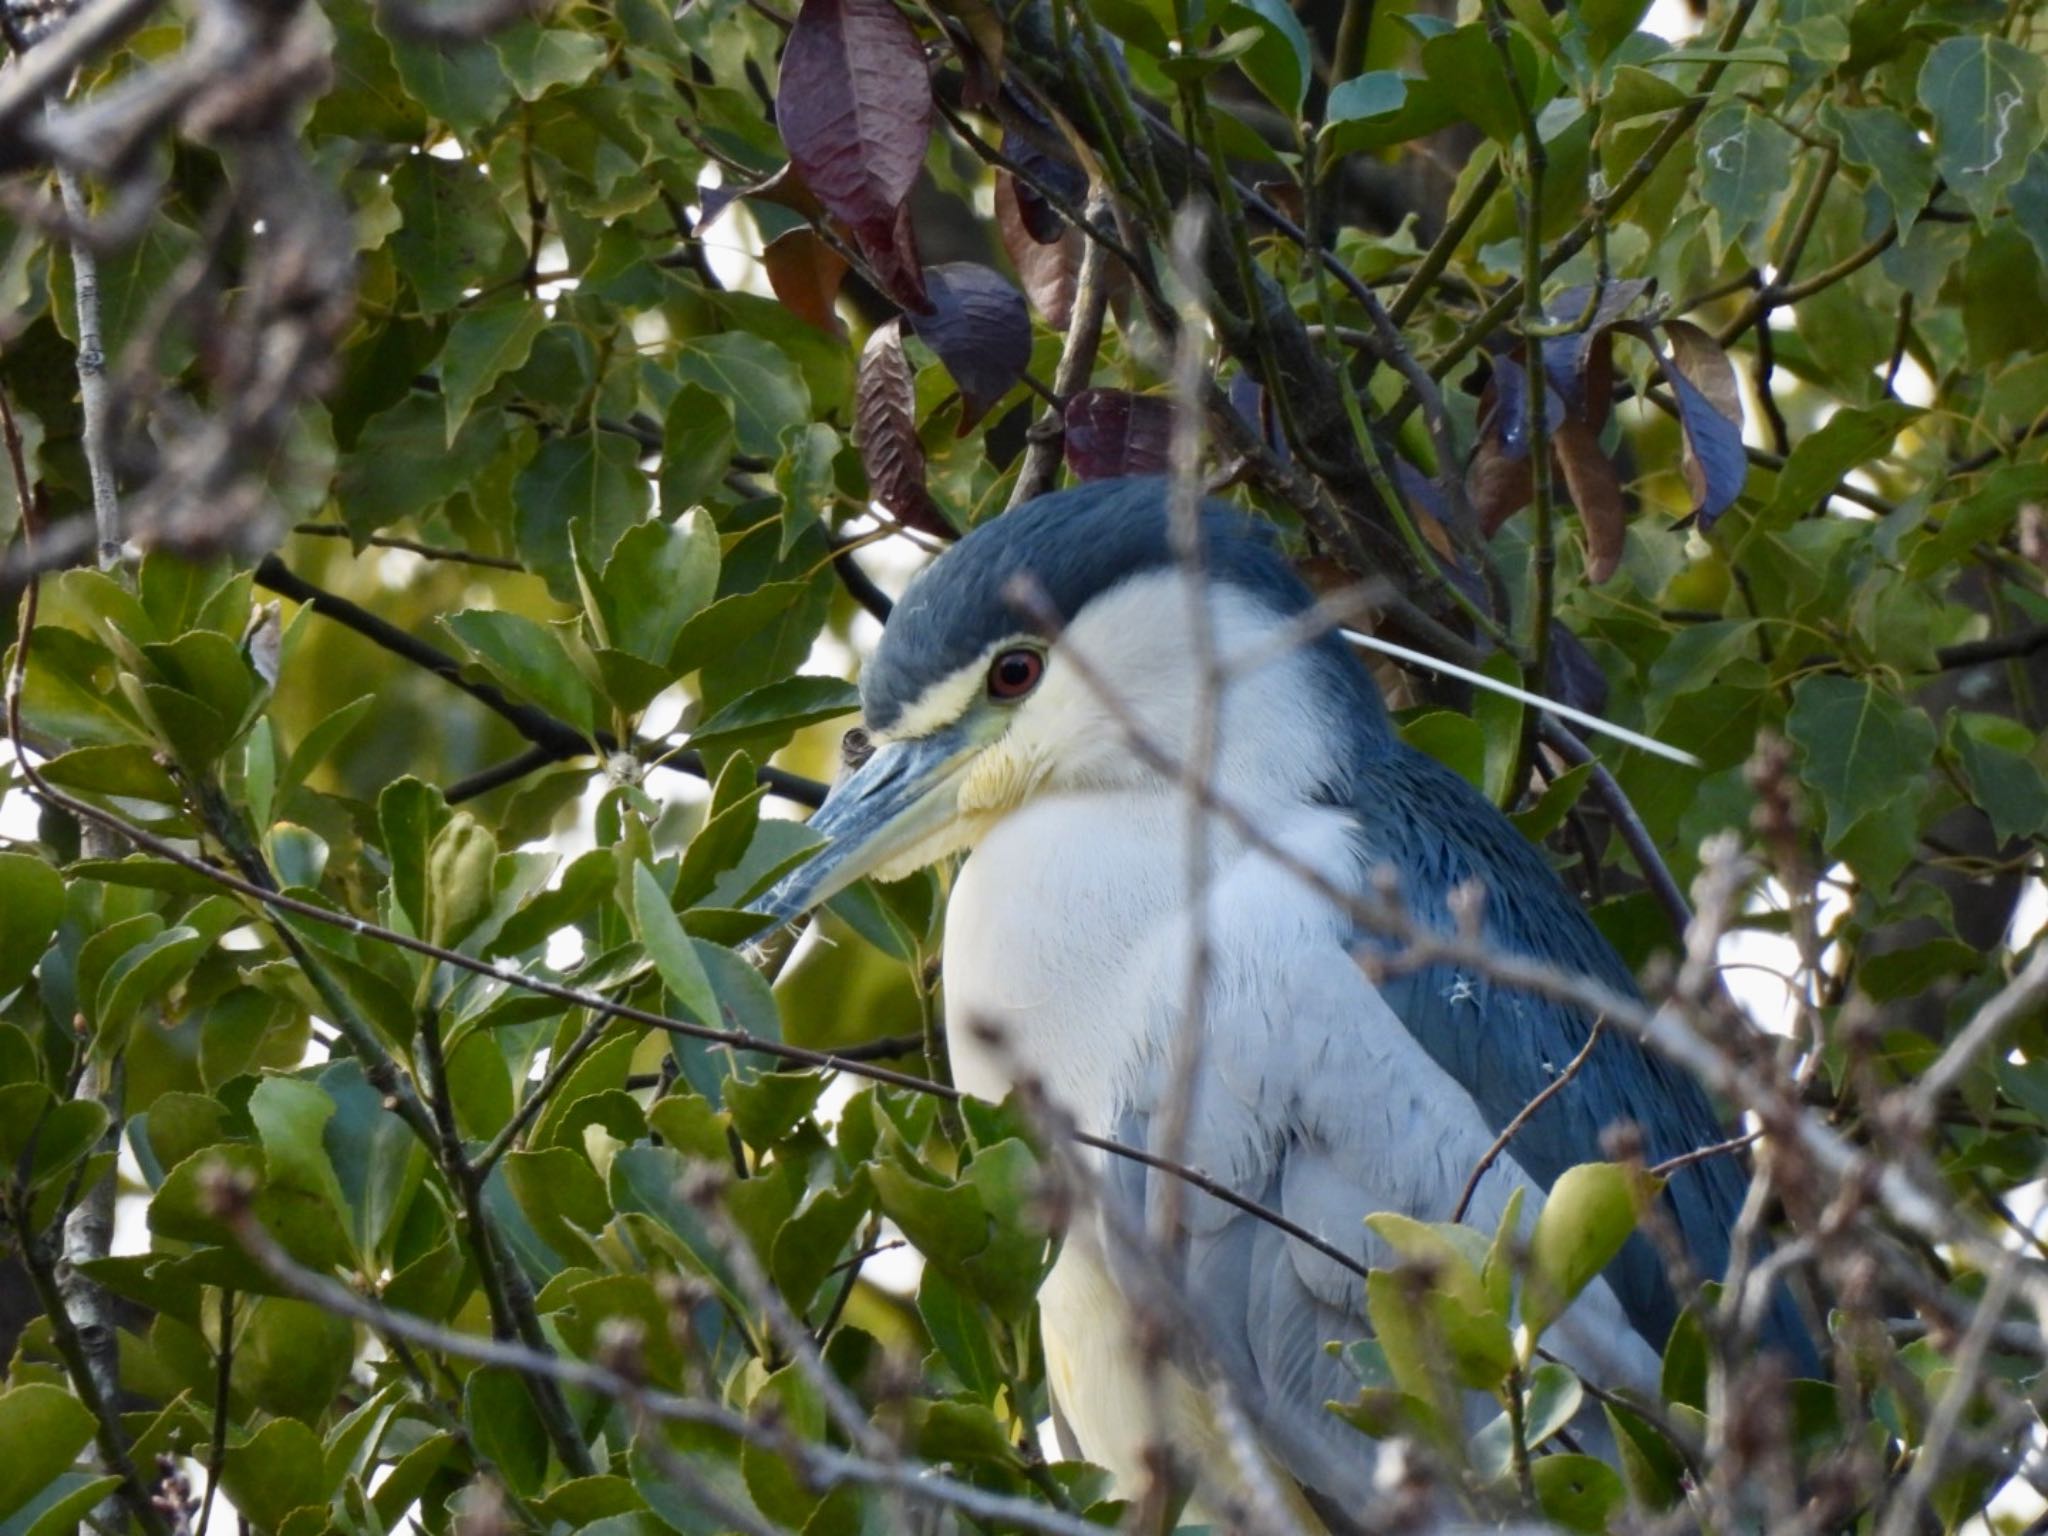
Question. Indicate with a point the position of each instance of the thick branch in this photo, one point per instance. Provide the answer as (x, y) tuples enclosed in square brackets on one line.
[(553, 740)]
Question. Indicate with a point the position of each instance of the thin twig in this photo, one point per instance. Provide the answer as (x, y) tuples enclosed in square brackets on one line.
[(1727, 1148), (2013, 1003), (1523, 1116), (223, 1376), (1077, 361), (411, 547)]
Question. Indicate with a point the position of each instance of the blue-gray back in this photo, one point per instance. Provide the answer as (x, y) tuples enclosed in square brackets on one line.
[(1505, 1045)]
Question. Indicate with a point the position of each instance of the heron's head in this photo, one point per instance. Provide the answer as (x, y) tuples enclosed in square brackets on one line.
[(1025, 660)]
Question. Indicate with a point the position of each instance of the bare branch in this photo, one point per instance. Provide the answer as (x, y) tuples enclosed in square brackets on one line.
[(1523, 1116)]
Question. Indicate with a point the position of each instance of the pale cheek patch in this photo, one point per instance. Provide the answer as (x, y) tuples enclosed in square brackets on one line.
[(998, 781)]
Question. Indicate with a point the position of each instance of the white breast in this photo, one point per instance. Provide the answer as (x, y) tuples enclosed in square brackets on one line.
[(1046, 922), (1066, 959)]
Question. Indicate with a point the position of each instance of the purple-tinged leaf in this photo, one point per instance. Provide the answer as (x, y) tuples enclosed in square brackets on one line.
[(1580, 366), (981, 330), (855, 108), (1112, 432), (893, 261), (885, 431), (1422, 494), (1252, 401), (1511, 406), (1032, 142), (1048, 272), (1575, 677), (1710, 411)]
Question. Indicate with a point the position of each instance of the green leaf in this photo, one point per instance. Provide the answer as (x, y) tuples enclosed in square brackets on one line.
[(697, 444), (499, 1410), (462, 866), (1499, 719), (1465, 64), (1984, 95), (128, 771), (31, 906), (1588, 1214), (1696, 657), (764, 719), (1634, 92), (483, 345), (291, 1357), (803, 479), (1455, 740), (769, 1107), (291, 1116), (763, 387), (1997, 756), (528, 659), (1461, 1316), (460, 82), (44, 1428), (1883, 142), (1579, 1493), (1818, 461), (732, 619), (1608, 22), (455, 236), (588, 485), (1382, 107), (562, 1196), (539, 59), (1278, 63), (403, 464), (1860, 747), (673, 952), (1746, 165), (659, 577), (144, 975), (62, 1506), (282, 1467), (1550, 1399)]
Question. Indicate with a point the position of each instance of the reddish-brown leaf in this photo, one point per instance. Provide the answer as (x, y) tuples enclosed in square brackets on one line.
[(1284, 195), (1041, 220), (1113, 432), (1498, 485), (805, 273), (1048, 272), (855, 108), (892, 257), (978, 325), (885, 430), (1595, 490)]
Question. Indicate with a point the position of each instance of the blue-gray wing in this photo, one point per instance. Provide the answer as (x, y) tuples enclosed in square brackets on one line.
[(1316, 1102), (1435, 832)]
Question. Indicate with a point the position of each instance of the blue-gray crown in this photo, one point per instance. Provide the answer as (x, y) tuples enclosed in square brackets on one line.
[(1075, 545)]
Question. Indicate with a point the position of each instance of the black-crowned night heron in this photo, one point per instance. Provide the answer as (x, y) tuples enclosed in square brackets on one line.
[(1318, 1094)]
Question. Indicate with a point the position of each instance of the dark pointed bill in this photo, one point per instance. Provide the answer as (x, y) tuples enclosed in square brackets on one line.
[(905, 794)]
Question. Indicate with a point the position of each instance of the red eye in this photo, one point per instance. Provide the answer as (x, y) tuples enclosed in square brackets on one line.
[(1014, 674)]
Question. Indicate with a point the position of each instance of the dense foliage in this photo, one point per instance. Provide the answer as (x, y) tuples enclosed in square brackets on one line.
[(491, 411)]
